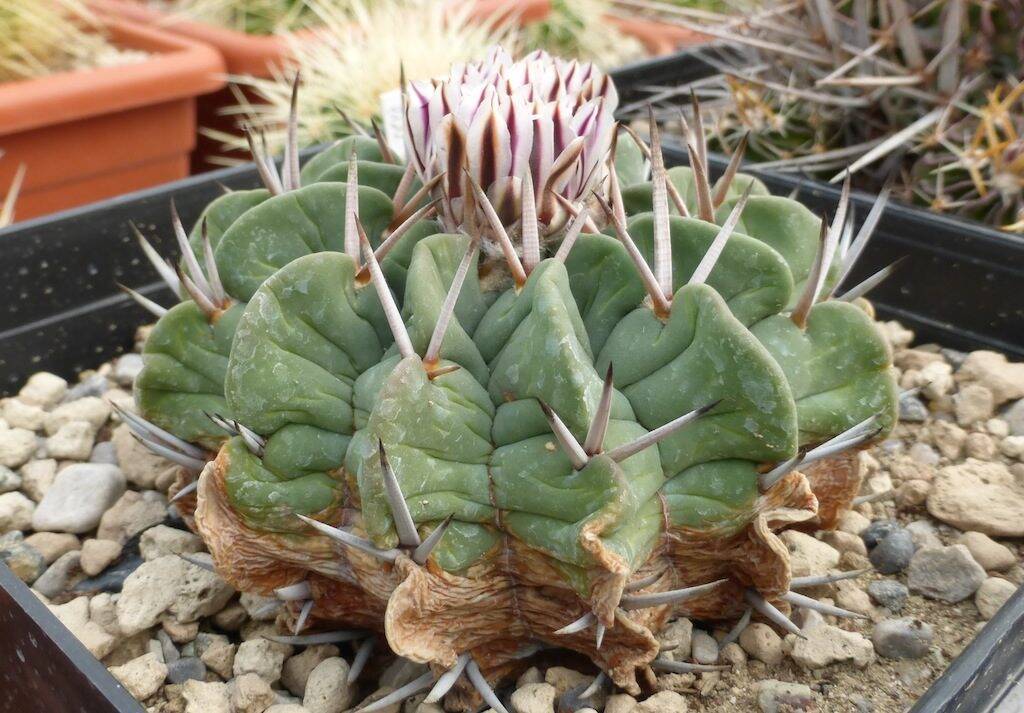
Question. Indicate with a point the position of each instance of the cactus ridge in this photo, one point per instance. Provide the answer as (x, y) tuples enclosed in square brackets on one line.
[(466, 461)]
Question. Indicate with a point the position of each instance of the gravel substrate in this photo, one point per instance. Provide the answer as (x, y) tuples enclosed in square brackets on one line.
[(84, 519)]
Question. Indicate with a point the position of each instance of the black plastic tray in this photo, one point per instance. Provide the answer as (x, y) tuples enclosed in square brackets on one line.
[(43, 667), (988, 675), (61, 308), (963, 287)]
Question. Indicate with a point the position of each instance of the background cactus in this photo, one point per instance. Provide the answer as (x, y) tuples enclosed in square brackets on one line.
[(257, 17), (40, 38), (356, 53), (456, 416), (925, 96)]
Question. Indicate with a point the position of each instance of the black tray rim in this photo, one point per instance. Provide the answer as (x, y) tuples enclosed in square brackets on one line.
[(37, 615)]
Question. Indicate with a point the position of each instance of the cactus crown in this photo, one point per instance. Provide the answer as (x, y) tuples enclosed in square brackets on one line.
[(447, 407)]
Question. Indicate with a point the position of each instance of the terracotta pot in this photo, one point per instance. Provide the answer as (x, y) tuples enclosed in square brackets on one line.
[(97, 133), (658, 38), (254, 55)]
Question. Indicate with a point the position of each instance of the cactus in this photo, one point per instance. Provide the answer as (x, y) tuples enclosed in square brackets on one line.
[(580, 29), (925, 95), (257, 17), (513, 394), (356, 53), (39, 38)]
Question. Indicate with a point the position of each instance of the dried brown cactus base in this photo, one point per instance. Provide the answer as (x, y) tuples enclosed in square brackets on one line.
[(512, 605), (835, 482)]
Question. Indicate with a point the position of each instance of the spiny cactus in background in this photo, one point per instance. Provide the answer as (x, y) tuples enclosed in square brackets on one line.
[(580, 29), (357, 52), (978, 171), (256, 17), (46, 36), (928, 91), (437, 406)]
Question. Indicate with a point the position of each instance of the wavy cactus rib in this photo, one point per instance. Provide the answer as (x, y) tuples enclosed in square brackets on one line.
[(476, 443)]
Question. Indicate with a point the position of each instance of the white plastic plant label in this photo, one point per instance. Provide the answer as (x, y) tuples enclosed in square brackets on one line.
[(391, 118)]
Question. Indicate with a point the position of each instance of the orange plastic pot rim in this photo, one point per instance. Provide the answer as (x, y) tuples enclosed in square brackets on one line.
[(177, 68)]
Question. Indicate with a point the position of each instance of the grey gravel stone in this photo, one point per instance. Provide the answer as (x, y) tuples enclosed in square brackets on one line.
[(72, 441), (9, 480), (993, 594), (186, 669), (133, 512), (127, 368), (913, 410), (889, 593), (948, 574), (924, 533), (328, 690), (704, 647), (64, 573), (677, 637), (955, 357), (43, 389), (17, 445), (987, 552), (79, 496), (780, 696), (534, 698), (400, 672), (162, 540), (924, 454), (25, 561), (861, 704), (113, 577), (95, 385), (878, 531), (103, 452), (891, 446), (37, 477), (904, 638), (170, 584), (15, 512), (893, 553), (167, 648), (1014, 417)]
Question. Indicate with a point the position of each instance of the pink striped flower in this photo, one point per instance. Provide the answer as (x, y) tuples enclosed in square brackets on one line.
[(501, 122)]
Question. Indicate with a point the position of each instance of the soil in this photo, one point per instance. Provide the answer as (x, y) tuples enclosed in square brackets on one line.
[(916, 452)]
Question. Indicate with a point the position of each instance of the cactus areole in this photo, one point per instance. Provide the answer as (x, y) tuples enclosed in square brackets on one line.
[(515, 394)]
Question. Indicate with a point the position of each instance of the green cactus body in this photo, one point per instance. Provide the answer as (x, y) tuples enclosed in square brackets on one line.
[(490, 438), (253, 234), (186, 359)]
